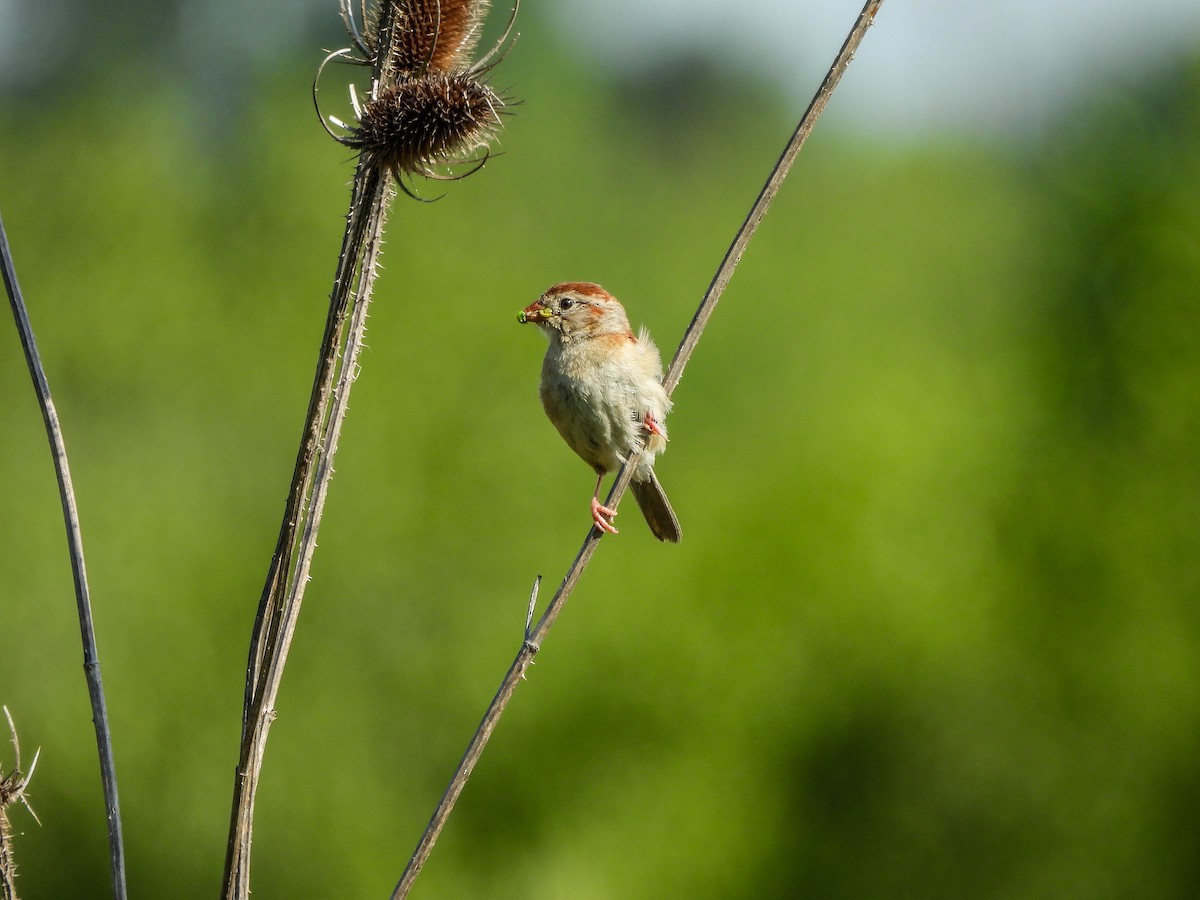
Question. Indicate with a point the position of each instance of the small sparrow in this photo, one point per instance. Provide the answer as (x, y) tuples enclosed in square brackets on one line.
[(602, 389)]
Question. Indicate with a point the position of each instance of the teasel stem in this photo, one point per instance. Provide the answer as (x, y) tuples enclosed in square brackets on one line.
[(12, 791), (290, 566), (388, 150), (535, 636), (288, 575)]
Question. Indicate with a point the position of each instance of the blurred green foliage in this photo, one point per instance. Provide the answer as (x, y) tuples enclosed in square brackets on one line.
[(934, 630)]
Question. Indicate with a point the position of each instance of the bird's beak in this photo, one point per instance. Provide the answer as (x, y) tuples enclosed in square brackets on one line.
[(535, 312)]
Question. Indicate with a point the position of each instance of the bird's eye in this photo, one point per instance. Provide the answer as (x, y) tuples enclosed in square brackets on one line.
[(566, 303)]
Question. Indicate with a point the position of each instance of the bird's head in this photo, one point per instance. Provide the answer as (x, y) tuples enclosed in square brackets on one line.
[(576, 310)]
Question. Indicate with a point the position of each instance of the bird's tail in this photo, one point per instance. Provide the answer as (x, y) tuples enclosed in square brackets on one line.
[(652, 500)]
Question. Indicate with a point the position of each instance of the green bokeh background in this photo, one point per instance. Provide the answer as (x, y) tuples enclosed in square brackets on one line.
[(934, 629)]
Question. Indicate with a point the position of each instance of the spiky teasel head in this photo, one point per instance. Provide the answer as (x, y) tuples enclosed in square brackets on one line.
[(431, 108), (419, 125), (435, 35)]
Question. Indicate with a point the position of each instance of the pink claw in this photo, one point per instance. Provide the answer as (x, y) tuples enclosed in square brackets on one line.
[(651, 425), (602, 516)]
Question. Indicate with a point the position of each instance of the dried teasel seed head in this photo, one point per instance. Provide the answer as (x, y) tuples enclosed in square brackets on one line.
[(433, 108), (417, 125), (435, 35)]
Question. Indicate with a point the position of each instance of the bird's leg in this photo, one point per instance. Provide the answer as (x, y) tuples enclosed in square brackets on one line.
[(602, 515)]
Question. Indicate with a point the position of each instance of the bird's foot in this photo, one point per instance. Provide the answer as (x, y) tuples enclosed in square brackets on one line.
[(603, 517), (651, 425)]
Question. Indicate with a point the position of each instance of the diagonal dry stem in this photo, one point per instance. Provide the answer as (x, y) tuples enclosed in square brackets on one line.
[(533, 638)]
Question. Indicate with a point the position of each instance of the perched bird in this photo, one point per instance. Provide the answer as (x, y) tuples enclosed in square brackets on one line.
[(602, 389)]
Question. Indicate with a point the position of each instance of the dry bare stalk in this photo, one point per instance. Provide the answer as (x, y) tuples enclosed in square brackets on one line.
[(83, 603), (415, 128), (535, 637)]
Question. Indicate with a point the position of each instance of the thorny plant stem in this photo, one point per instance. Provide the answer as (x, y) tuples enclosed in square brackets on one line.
[(534, 638), (8, 865), (288, 575), (91, 657), (12, 791)]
